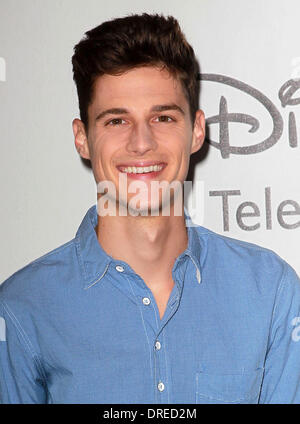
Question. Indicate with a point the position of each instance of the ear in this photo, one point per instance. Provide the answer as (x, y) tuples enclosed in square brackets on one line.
[(198, 132), (80, 138)]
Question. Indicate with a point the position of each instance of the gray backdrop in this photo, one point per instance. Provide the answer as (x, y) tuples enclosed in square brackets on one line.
[(250, 64)]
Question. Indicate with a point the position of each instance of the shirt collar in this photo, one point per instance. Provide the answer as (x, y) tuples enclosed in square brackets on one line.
[(194, 248), (94, 261)]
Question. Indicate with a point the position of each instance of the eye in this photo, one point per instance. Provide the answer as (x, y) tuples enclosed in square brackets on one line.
[(165, 118), (115, 121)]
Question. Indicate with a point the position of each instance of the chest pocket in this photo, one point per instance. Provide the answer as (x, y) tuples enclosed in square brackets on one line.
[(229, 388)]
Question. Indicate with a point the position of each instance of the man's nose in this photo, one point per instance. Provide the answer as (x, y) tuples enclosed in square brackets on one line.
[(141, 139)]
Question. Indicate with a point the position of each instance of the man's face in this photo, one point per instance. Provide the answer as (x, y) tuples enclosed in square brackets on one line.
[(139, 126)]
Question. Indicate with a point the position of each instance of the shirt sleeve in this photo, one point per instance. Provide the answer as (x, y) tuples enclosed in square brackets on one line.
[(21, 379), (281, 382)]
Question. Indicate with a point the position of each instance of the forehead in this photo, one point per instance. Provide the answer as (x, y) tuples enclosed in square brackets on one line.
[(138, 85)]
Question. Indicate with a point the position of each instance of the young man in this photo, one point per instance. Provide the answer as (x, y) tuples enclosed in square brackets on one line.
[(140, 307)]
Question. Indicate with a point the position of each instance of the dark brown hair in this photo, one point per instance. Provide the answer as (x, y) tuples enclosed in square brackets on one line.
[(136, 40)]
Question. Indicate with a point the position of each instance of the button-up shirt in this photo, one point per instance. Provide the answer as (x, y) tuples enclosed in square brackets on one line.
[(78, 326)]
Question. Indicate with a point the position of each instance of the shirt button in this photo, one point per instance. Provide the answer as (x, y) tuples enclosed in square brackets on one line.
[(119, 268), (157, 345), (161, 386), (146, 300)]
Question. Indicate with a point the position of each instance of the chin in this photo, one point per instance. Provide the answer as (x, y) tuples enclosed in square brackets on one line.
[(144, 209)]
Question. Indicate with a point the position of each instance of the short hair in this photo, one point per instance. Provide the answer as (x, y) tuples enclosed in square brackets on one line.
[(136, 40)]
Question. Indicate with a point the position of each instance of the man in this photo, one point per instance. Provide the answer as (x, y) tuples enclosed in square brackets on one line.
[(140, 307)]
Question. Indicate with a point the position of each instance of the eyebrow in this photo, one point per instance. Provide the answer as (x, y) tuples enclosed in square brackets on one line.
[(156, 108)]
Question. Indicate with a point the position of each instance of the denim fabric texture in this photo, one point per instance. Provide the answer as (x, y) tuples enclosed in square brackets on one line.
[(78, 326)]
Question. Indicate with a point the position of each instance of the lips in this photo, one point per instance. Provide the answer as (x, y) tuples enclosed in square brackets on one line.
[(142, 168)]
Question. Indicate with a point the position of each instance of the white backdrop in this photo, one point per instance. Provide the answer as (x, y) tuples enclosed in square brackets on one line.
[(247, 52)]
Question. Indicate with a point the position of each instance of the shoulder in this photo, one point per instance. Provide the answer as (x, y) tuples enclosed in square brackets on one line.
[(244, 258), (216, 239), (41, 273)]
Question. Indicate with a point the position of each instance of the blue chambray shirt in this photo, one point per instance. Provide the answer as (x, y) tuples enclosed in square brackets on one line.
[(77, 326)]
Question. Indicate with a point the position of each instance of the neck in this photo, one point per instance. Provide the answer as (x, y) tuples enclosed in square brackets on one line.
[(149, 244)]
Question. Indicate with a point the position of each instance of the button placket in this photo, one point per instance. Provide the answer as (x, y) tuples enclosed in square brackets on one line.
[(164, 390), (146, 301), (157, 345), (161, 386), (150, 316), (120, 268)]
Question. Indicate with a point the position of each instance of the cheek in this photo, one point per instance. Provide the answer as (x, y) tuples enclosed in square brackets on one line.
[(179, 149), (107, 159), (184, 158), (99, 158)]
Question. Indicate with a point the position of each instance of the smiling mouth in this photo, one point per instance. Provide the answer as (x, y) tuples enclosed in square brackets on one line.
[(141, 169)]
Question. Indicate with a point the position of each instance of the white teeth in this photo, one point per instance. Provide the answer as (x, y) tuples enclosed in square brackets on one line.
[(142, 169)]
